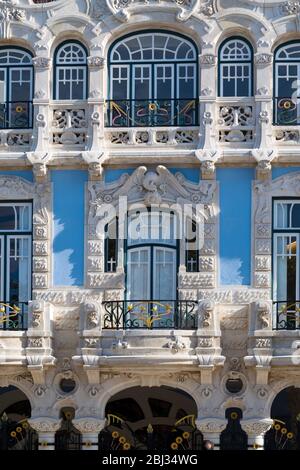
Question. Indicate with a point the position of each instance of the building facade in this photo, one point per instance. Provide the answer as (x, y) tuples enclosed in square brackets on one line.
[(126, 113)]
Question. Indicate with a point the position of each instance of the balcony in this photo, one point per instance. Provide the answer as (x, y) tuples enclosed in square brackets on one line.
[(69, 125), (13, 316), (236, 122), (155, 122), (150, 315), (287, 315)]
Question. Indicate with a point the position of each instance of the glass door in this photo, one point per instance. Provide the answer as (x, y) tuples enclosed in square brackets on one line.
[(20, 93), (138, 274), (141, 95), (2, 98), (164, 92)]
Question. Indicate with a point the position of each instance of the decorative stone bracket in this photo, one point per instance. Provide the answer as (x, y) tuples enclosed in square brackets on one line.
[(95, 161), (39, 161), (264, 158), (208, 159)]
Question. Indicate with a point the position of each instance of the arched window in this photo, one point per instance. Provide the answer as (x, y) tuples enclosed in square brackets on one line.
[(286, 89), (70, 81), (235, 68), (16, 88), (153, 81)]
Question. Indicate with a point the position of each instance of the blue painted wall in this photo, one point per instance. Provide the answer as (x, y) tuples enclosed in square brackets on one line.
[(111, 175), (191, 174), (68, 226), (26, 174), (235, 225), (279, 171)]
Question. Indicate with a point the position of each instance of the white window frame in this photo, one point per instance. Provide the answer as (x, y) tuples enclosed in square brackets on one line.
[(8, 257), (18, 204), (129, 273), (276, 236), (174, 265)]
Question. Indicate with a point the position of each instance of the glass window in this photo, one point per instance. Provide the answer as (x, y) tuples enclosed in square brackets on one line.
[(15, 252), (153, 81), (16, 89), (286, 87), (286, 231), (71, 72), (236, 58)]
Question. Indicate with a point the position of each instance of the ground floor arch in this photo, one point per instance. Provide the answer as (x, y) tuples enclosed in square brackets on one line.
[(151, 418), (285, 412), (15, 431)]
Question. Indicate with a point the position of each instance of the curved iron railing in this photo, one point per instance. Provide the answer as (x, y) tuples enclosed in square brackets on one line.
[(16, 115), (287, 315), (13, 315), (286, 111), (152, 113), (150, 314)]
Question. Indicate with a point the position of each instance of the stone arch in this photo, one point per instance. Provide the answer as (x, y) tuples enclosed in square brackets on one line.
[(190, 29), (115, 385), (285, 412), (242, 22), (277, 388), (15, 411), (157, 417)]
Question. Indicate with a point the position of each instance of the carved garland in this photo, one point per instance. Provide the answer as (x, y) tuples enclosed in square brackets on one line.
[(14, 188)]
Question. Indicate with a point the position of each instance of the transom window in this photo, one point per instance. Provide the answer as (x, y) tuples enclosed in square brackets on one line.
[(235, 69), (286, 89), (286, 232), (70, 72), (15, 251), (153, 81), (16, 88)]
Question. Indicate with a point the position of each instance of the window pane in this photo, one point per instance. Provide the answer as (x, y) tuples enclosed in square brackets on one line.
[(286, 259), (7, 218), (18, 269)]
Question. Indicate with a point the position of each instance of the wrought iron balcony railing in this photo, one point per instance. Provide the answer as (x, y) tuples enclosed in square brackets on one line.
[(286, 111), (287, 315), (16, 115), (150, 314), (152, 113), (13, 315)]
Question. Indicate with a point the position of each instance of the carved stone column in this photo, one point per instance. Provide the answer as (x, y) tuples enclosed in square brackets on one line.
[(256, 429), (89, 428), (42, 68), (96, 103), (208, 63), (211, 429), (46, 429)]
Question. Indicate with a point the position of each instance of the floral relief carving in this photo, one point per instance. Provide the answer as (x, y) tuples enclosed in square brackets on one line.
[(206, 308), (44, 425), (92, 314), (291, 8), (263, 343)]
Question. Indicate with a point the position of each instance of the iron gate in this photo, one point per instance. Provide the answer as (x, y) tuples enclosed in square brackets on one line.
[(17, 435), (233, 437)]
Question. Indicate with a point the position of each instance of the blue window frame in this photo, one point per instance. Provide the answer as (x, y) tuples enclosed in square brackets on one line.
[(70, 71), (235, 68), (153, 80), (16, 88), (286, 87)]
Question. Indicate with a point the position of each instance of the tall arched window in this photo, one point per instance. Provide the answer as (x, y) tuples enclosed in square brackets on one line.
[(153, 81), (235, 68), (16, 88), (286, 89), (70, 80)]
